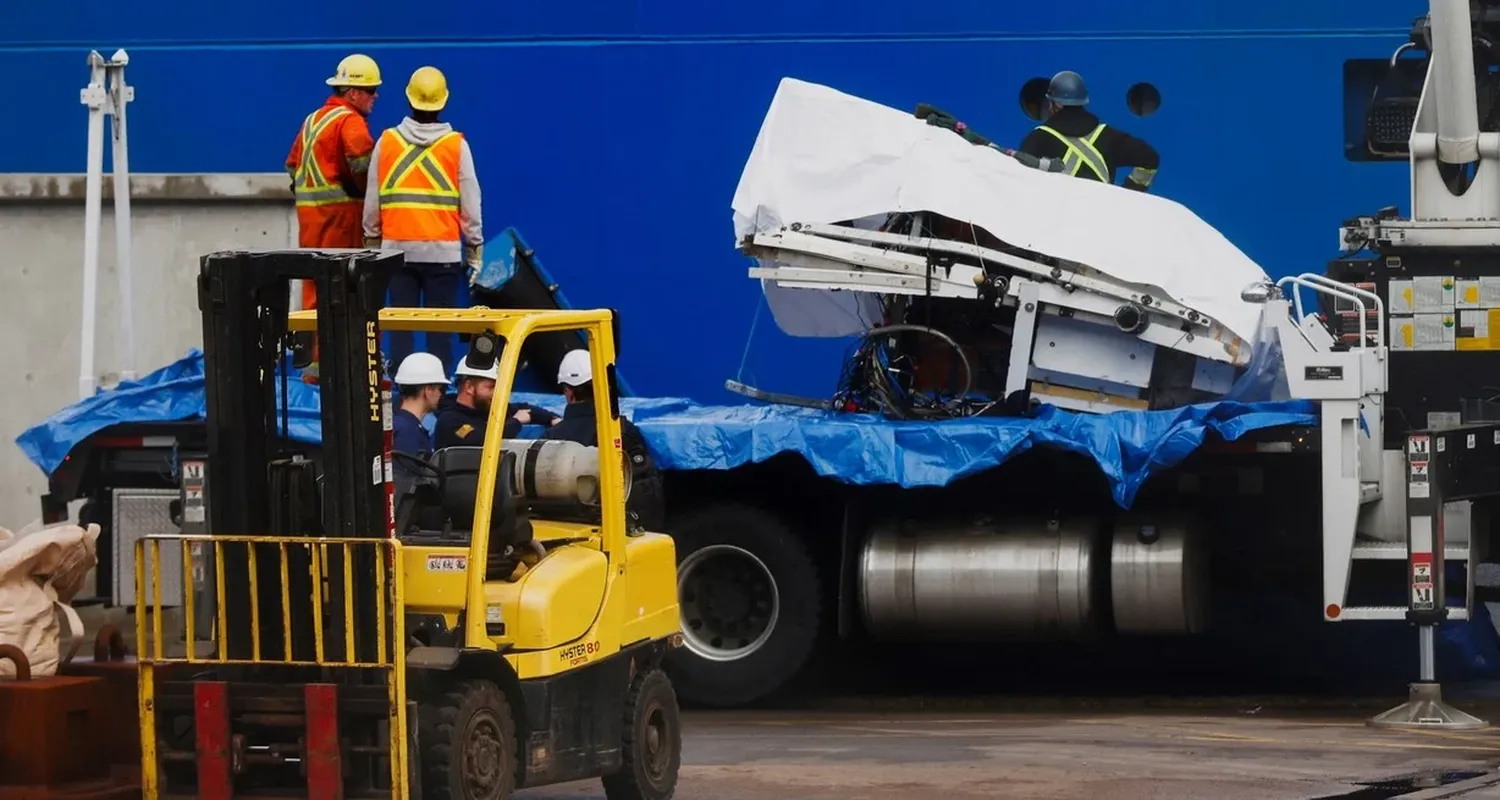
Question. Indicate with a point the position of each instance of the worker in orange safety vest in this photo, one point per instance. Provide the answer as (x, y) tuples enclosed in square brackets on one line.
[(329, 162), (423, 200)]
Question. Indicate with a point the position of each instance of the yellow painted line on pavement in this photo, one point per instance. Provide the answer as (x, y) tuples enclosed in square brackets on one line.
[(1233, 737), (1458, 736)]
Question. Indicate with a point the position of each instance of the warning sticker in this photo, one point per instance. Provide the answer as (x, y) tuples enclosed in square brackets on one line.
[(1417, 484), (1423, 593), (447, 563), (1419, 449)]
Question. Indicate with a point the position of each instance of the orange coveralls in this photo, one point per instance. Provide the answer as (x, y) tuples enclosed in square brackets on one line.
[(329, 163)]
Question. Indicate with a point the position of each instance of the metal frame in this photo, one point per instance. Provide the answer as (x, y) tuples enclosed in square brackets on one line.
[(106, 94), (1348, 383), (211, 710), (1349, 386), (1443, 466), (1446, 130), (514, 326), (845, 258)]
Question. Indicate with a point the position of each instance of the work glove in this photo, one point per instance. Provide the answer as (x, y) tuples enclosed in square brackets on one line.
[(474, 260), (372, 244)]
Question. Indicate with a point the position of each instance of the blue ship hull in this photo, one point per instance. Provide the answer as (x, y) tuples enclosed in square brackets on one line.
[(613, 133)]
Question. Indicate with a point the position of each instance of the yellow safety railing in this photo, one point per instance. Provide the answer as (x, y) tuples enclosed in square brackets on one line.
[(325, 568)]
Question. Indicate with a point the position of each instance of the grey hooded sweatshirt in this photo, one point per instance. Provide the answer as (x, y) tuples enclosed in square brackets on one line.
[(470, 224)]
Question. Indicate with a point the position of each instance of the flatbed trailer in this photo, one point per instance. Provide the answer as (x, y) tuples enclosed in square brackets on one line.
[(776, 504)]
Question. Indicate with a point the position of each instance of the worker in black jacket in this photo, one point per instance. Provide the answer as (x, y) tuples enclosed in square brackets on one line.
[(462, 419), (576, 374), (1088, 148)]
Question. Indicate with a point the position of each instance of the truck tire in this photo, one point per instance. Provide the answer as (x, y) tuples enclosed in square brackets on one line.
[(651, 753), (468, 740), (750, 601)]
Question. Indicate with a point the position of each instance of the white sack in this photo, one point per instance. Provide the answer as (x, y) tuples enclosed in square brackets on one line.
[(40, 574), (823, 156)]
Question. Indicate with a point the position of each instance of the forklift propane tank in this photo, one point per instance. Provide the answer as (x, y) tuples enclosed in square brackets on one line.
[(556, 471)]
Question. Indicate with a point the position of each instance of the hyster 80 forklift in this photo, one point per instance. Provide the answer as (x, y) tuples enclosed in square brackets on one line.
[(491, 623)]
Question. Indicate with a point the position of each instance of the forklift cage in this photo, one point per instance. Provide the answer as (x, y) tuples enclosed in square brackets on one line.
[(330, 565), (514, 327)]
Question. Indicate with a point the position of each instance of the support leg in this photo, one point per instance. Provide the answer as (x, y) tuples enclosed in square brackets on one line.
[(95, 97), (1424, 708), (120, 94)]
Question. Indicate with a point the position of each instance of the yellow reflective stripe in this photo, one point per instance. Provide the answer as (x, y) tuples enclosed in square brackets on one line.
[(413, 156), (1080, 151), (413, 200), (1143, 176), (435, 175), (324, 200), (313, 188), (310, 132)]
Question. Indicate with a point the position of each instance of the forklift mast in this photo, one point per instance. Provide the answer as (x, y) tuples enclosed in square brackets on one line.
[(245, 299)]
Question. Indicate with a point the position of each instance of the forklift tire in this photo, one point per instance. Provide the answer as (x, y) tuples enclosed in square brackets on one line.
[(468, 739), (652, 749), (749, 636)]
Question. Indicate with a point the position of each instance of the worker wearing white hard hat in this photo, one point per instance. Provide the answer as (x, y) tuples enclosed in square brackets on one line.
[(462, 419), (421, 384), (575, 373)]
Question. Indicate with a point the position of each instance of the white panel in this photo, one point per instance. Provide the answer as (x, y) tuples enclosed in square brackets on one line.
[(1069, 346)]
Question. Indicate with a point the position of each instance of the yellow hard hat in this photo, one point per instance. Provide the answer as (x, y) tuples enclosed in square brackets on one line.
[(358, 71), (427, 90)]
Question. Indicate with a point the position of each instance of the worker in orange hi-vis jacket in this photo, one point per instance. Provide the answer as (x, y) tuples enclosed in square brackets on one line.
[(328, 163), (330, 159)]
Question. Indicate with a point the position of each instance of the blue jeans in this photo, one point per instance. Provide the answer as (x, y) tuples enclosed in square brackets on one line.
[(418, 285)]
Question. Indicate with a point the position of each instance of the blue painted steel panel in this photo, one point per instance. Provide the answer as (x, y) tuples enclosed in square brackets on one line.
[(613, 133)]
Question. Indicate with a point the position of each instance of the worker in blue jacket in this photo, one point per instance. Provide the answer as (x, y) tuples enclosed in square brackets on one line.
[(421, 384), (461, 418), (576, 376)]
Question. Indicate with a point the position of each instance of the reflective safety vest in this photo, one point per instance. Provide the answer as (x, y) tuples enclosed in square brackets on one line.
[(312, 179), (1081, 151), (419, 188)]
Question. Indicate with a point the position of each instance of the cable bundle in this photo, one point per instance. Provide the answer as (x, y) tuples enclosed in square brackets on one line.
[(878, 378)]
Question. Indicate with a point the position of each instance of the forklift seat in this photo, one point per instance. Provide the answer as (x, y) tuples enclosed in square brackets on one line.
[(459, 466)]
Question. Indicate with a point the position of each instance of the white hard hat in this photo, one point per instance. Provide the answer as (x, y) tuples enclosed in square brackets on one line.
[(493, 373), (576, 369), (420, 369)]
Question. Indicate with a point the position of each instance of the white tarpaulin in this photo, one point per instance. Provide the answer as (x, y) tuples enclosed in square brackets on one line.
[(823, 156)]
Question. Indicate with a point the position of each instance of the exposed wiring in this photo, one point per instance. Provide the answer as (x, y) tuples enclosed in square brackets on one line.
[(878, 378)]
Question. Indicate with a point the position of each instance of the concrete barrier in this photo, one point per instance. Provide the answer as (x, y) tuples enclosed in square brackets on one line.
[(177, 218)]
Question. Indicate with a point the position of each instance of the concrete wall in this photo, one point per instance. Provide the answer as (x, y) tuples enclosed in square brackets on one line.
[(176, 219)]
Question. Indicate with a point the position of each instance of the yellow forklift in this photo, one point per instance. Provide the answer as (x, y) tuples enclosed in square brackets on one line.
[(493, 623)]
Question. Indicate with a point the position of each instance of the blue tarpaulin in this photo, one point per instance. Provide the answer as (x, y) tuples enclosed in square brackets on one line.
[(1129, 446)]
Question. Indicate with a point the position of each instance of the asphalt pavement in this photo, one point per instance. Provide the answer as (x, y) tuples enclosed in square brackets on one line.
[(1244, 755)]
